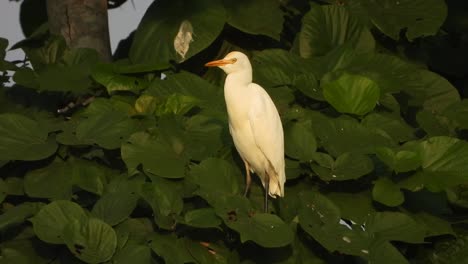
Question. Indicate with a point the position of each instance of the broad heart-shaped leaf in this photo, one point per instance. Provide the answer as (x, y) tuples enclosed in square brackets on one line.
[(133, 253), (391, 124), (18, 214), (344, 134), (399, 160), (432, 91), (37, 183), (444, 161), (176, 30), (266, 230), (90, 239), (157, 156), (105, 122), (352, 94), (115, 207), (347, 166), (387, 192), (300, 141), (86, 175), (165, 199), (216, 176), (328, 26), (187, 84), (458, 113), (419, 17), (243, 15), (107, 75), (50, 221), (172, 249), (202, 218), (320, 217), (24, 139)]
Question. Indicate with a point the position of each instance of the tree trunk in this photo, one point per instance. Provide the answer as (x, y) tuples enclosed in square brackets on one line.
[(83, 24)]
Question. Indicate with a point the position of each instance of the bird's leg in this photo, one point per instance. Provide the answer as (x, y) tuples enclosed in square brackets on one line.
[(248, 179), (267, 189)]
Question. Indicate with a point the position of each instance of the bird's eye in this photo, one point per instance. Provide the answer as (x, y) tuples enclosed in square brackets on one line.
[(234, 60)]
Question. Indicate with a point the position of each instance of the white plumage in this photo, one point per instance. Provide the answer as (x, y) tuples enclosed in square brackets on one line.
[(254, 124)]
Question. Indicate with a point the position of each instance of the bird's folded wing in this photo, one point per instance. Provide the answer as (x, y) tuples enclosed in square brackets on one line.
[(267, 129)]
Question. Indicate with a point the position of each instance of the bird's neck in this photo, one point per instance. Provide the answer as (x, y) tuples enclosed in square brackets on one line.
[(237, 80)]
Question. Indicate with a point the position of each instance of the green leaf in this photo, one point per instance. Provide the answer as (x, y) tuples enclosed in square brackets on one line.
[(300, 141), (267, 230), (392, 125), (387, 192), (107, 75), (90, 239), (347, 166), (194, 25), (432, 91), (156, 156), (202, 218), (399, 160), (328, 26), (352, 94), (216, 176), (458, 113), (24, 139), (244, 16), (165, 199), (395, 226), (37, 183), (362, 205), (115, 207), (50, 221), (444, 161), (131, 253), (187, 84), (170, 248), (343, 134), (18, 214), (320, 218), (419, 17)]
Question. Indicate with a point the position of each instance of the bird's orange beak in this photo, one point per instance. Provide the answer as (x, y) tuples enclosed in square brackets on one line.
[(219, 62)]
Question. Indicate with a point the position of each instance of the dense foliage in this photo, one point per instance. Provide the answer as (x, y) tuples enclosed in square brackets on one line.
[(146, 172)]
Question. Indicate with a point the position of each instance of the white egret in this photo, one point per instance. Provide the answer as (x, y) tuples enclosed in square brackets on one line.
[(254, 124)]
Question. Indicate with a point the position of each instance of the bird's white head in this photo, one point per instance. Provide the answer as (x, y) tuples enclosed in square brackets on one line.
[(233, 62)]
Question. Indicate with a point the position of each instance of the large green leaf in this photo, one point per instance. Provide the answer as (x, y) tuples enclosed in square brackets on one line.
[(172, 249), (18, 214), (216, 176), (352, 94), (391, 124), (84, 174), (168, 26), (157, 157), (300, 141), (344, 134), (37, 182), (444, 161), (133, 253), (202, 218), (165, 198), (90, 239), (244, 16), (187, 84), (328, 26), (108, 75), (419, 17), (51, 220), (387, 192), (115, 207), (24, 139), (347, 166)]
